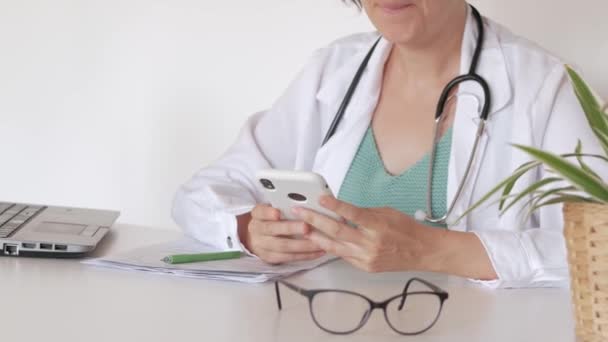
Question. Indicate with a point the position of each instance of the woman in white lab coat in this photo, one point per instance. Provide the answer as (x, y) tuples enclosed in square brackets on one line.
[(425, 44)]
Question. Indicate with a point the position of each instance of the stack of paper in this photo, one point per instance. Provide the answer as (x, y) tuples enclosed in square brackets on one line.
[(245, 269)]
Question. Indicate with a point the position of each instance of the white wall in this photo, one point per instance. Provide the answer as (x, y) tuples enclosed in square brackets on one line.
[(575, 30), (113, 103)]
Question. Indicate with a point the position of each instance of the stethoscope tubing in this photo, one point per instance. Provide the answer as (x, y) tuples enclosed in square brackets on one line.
[(471, 76)]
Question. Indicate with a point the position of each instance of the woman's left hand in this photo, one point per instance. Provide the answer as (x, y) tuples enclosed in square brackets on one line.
[(384, 240)]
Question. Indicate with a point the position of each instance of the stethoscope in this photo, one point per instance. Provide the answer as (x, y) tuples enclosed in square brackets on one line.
[(443, 100)]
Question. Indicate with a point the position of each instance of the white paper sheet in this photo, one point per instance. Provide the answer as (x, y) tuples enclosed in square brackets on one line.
[(245, 269)]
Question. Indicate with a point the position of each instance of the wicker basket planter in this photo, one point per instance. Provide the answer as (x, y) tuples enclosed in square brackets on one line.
[(586, 232)]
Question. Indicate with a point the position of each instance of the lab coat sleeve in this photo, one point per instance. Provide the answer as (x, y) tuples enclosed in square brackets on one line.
[(206, 206), (536, 256)]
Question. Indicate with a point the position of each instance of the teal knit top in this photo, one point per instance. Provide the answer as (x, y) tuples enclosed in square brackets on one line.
[(367, 183)]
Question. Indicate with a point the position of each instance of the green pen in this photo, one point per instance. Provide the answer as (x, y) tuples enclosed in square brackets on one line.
[(188, 258)]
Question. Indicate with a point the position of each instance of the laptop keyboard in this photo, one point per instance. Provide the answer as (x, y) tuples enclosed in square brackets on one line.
[(14, 216)]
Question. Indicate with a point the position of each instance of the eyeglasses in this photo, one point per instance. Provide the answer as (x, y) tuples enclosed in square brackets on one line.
[(344, 312)]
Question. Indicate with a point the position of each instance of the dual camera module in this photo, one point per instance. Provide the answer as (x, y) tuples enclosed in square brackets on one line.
[(267, 184)]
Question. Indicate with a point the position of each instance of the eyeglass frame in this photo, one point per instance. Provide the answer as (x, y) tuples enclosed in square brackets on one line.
[(310, 294)]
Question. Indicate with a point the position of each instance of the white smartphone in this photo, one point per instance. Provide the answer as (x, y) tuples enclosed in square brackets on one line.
[(288, 189)]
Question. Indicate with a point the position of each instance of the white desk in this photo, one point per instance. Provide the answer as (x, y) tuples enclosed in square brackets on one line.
[(63, 300)]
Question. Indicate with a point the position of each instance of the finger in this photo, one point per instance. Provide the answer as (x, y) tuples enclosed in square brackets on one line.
[(279, 258), (359, 216), (282, 228), (286, 245), (334, 229), (265, 213), (333, 247)]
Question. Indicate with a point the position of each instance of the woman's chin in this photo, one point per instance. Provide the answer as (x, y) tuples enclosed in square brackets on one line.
[(398, 31), (399, 36)]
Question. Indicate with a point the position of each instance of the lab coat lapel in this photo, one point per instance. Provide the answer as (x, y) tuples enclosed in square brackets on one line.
[(334, 158), (492, 67)]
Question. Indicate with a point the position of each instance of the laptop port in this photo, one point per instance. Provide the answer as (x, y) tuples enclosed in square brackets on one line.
[(28, 245), (61, 247), (46, 246), (11, 249)]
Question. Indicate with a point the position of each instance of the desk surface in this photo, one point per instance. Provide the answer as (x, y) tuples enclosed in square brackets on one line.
[(63, 300)]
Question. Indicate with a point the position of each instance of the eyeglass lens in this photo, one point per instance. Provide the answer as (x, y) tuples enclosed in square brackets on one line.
[(339, 312), (419, 312), (342, 312)]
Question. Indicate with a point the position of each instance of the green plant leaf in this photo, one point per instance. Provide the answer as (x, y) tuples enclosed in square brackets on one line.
[(535, 200), (535, 186), (588, 101), (587, 155), (561, 199), (556, 191), (510, 181), (516, 174), (603, 138), (584, 166), (574, 174), (502, 198), (582, 90)]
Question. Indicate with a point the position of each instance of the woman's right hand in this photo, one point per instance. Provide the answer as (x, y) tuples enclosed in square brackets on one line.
[(274, 241)]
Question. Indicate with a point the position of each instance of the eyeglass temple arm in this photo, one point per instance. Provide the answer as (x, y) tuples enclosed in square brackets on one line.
[(288, 285), (433, 287)]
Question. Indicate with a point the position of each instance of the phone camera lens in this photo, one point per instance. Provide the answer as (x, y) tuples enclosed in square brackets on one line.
[(267, 184), (297, 197)]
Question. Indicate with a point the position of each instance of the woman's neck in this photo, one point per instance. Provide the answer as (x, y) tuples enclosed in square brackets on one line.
[(435, 60)]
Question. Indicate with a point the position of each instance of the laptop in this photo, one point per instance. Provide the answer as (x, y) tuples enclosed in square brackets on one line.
[(47, 231)]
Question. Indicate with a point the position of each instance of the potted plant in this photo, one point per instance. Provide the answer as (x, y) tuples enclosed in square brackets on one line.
[(585, 197)]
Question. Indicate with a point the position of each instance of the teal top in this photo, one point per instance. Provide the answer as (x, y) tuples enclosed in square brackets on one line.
[(367, 183)]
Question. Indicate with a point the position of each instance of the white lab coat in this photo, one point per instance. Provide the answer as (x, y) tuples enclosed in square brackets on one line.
[(532, 104)]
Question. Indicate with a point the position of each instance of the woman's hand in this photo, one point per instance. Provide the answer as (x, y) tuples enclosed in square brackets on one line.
[(388, 240), (265, 235), (384, 240)]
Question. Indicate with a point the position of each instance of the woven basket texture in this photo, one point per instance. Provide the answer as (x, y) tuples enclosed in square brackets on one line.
[(586, 233)]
